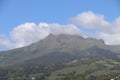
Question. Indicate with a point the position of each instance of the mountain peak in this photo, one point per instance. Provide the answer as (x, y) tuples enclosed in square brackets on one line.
[(63, 36), (53, 44), (71, 36), (51, 35)]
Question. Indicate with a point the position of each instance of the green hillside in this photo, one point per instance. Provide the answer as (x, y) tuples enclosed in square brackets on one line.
[(62, 57)]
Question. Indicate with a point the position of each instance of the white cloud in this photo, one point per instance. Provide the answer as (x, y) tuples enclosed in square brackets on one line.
[(112, 35), (90, 20), (57, 29), (110, 38), (27, 33), (108, 31)]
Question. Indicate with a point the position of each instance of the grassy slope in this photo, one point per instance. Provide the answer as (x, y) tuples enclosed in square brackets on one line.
[(84, 68)]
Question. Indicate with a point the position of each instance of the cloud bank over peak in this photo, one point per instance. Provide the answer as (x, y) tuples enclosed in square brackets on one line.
[(29, 32), (94, 26)]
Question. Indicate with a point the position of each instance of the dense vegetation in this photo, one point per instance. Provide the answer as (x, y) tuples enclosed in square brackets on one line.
[(82, 69), (26, 73)]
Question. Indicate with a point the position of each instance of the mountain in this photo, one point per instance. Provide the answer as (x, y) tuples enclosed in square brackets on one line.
[(55, 46), (59, 56)]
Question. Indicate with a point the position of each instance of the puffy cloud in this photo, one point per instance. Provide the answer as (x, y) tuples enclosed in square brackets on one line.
[(112, 35), (108, 31), (90, 20), (57, 29), (27, 33)]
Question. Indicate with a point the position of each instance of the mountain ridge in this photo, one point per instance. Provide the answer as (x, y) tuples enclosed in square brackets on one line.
[(53, 44)]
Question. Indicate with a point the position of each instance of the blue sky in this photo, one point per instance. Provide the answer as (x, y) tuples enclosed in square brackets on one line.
[(16, 12)]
